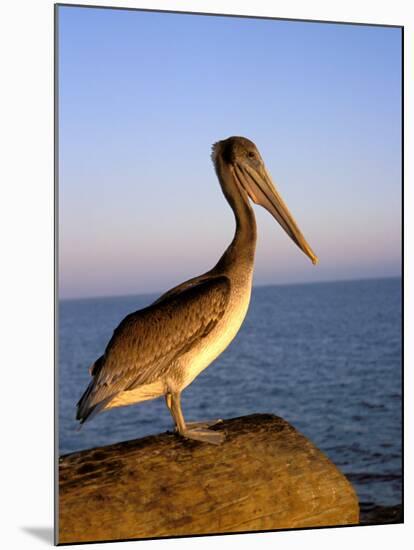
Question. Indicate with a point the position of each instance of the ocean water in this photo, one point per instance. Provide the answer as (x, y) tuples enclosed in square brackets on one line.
[(324, 356)]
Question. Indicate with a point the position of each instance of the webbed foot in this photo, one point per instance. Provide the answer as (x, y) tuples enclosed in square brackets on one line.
[(206, 436), (201, 424)]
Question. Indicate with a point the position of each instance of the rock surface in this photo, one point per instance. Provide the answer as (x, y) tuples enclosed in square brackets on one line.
[(375, 514), (265, 476)]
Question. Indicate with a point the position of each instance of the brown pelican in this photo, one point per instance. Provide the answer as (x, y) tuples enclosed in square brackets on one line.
[(159, 350)]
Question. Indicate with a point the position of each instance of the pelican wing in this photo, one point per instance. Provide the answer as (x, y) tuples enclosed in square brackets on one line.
[(146, 343)]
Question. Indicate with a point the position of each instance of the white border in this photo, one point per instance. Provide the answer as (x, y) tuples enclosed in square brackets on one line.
[(26, 218)]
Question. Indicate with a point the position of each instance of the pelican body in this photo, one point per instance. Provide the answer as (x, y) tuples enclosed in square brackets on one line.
[(159, 350)]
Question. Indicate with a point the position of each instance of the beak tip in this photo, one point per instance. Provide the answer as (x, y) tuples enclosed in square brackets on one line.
[(315, 260)]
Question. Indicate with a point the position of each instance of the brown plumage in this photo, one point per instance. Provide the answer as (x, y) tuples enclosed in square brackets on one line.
[(159, 350), (144, 345)]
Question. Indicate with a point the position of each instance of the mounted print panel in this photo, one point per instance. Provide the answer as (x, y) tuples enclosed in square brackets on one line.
[(229, 274)]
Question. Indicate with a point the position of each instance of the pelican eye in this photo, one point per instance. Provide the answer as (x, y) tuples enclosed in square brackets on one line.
[(251, 154)]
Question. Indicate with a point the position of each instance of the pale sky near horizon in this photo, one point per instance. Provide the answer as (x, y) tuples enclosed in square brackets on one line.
[(143, 95)]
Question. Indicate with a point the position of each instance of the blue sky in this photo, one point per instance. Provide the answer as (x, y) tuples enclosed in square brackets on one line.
[(142, 96)]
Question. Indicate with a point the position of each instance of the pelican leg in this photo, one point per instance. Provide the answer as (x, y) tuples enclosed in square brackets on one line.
[(168, 401), (198, 434)]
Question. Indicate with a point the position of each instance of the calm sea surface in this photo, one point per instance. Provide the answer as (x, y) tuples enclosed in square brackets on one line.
[(326, 357)]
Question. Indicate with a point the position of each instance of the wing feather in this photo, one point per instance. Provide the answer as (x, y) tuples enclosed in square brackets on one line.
[(146, 343)]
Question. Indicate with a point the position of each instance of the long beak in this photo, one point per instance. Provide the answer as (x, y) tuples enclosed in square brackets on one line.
[(259, 186)]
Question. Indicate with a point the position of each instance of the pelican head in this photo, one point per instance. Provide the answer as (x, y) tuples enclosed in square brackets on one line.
[(242, 159)]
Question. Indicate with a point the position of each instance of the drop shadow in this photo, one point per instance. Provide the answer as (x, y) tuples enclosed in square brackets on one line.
[(45, 534)]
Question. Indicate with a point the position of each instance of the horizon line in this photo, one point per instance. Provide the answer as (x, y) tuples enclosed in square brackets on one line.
[(159, 293)]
